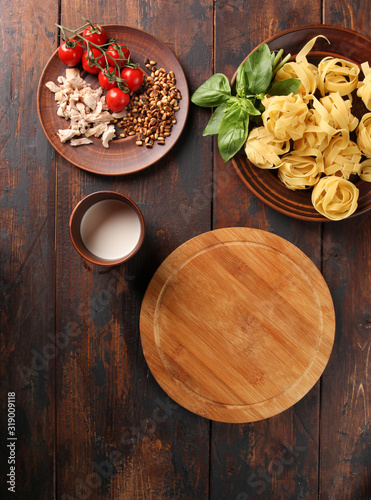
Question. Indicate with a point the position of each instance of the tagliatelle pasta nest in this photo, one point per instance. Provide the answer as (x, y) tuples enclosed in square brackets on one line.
[(263, 149), (339, 115), (365, 170), (335, 198), (314, 137), (306, 72), (318, 125), (300, 169), (285, 116), (337, 75), (342, 157), (364, 86), (364, 135)]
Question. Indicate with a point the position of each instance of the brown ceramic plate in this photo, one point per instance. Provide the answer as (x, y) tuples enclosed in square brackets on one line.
[(123, 156), (265, 184)]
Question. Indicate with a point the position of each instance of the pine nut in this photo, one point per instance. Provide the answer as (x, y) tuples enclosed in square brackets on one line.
[(151, 114)]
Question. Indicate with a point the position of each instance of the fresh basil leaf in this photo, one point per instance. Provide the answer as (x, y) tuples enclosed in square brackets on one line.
[(258, 69), (233, 131), (214, 123), (285, 87), (213, 92), (248, 106)]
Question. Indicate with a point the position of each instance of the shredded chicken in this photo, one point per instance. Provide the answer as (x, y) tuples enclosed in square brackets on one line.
[(85, 108), (67, 134), (97, 130), (52, 87), (80, 142), (121, 114), (108, 135)]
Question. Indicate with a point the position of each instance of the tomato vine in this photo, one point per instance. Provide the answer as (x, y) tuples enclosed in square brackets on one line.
[(109, 56)]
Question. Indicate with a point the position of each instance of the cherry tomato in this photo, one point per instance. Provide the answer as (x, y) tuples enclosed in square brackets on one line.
[(118, 53), (95, 34), (104, 78), (133, 78), (117, 100), (70, 53), (89, 66)]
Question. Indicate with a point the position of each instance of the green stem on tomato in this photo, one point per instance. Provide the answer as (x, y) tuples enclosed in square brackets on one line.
[(121, 83), (96, 28)]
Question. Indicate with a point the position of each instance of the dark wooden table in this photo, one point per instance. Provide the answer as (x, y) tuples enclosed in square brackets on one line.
[(91, 421)]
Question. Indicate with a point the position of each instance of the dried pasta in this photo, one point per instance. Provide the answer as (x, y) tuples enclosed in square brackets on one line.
[(263, 149), (285, 116), (339, 112), (337, 75), (309, 137), (365, 170), (364, 86), (335, 198), (364, 135), (301, 169), (306, 72), (314, 137), (342, 157)]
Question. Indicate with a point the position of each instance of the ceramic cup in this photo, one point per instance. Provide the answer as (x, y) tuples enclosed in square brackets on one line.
[(106, 228)]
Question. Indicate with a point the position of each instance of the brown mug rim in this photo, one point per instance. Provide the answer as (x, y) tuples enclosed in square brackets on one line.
[(75, 222)]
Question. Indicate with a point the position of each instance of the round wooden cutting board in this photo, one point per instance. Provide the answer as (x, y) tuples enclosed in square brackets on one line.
[(237, 325)]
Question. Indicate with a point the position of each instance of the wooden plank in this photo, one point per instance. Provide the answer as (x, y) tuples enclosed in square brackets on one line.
[(119, 435), (276, 457), (345, 398), (346, 393), (27, 278)]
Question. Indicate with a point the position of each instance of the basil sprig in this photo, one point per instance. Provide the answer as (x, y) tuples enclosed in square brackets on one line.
[(234, 113)]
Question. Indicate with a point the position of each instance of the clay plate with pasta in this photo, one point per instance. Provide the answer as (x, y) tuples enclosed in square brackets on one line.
[(350, 191)]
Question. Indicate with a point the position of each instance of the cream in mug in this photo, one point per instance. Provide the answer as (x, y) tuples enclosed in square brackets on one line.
[(110, 229)]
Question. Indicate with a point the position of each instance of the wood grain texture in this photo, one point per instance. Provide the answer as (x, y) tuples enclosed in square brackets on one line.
[(277, 457), (345, 444), (92, 422), (345, 451), (27, 279), (119, 435), (237, 325)]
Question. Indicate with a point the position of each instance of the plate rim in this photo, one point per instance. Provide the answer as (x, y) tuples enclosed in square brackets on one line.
[(185, 99)]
